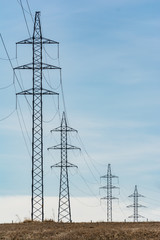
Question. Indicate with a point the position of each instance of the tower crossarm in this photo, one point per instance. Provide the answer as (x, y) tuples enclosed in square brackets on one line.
[(59, 147), (136, 195), (67, 129), (61, 165), (48, 41), (43, 92), (109, 176), (30, 66), (26, 41), (109, 198), (109, 187), (44, 41), (136, 205), (71, 147), (138, 216)]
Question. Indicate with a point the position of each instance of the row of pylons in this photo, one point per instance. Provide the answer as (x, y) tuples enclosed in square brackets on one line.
[(37, 91)]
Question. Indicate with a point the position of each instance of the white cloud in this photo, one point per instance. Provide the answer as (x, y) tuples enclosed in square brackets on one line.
[(83, 209)]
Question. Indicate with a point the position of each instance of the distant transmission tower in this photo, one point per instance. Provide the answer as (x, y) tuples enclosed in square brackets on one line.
[(64, 208), (108, 189), (37, 91), (135, 205)]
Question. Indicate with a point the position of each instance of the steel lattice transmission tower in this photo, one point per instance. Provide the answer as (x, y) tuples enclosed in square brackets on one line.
[(37, 91), (64, 208), (109, 187), (135, 205)]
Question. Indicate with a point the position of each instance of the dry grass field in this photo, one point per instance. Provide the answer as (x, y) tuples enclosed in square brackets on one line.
[(49, 230)]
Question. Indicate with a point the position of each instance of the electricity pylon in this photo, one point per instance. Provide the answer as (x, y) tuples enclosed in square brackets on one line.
[(37, 91), (109, 187), (64, 207), (135, 205)]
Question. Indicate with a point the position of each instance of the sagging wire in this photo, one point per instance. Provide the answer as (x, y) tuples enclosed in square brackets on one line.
[(91, 160), (29, 10), (77, 188), (63, 98), (78, 199), (9, 115), (6, 59), (50, 84), (13, 69), (48, 121), (20, 3), (2, 88), (15, 93), (50, 55), (23, 121), (21, 124), (89, 168), (87, 184), (23, 135), (24, 16)]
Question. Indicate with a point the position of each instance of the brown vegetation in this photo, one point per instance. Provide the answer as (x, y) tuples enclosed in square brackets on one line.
[(49, 230)]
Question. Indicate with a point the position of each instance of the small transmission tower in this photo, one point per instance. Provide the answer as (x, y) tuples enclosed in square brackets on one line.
[(37, 91), (135, 205), (64, 208), (109, 197)]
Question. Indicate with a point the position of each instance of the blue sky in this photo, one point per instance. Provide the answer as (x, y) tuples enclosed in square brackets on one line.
[(109, 54)]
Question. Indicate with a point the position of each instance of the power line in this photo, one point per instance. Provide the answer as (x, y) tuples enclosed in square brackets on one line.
[(77, 188), (9, 59), (89, 168), (6, 117), (17, 103), (23, 135), (79, 173), (8, 86), (24, 17), (48, 121), (30, 10), (6, 59), (50, 84), (63, 98), (23, 121), (91, 160), (50, 55), (19, 2), (78, 199)]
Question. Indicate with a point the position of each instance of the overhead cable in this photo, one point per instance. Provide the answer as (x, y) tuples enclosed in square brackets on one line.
[(25, 17), (9, 59), (30, 10), (6, 117), (19, 1), (8, 86)]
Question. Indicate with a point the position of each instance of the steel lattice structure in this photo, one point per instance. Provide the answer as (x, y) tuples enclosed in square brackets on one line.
[(64, 208), (109, 187), (37, 91), (135, 205)]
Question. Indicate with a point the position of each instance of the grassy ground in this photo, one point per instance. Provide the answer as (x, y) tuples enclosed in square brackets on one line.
[(82, 231)]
